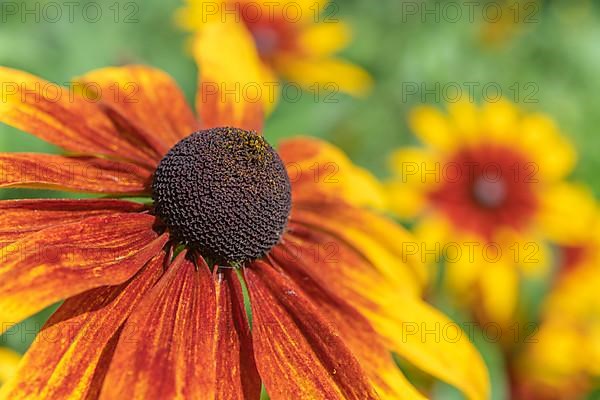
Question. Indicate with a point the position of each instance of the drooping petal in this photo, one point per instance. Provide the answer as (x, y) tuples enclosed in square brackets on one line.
[(191, 336), (18, 218), (432, 342), (319, 170), (144, 100), (231, 91), (62, 363), (358, 335), (62, 116), (61, 261), (298, 353), (80, 174)]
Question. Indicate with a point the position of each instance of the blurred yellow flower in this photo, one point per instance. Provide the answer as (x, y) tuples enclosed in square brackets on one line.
[(563, 358), (8, 364), (489, 195), (296, 40)]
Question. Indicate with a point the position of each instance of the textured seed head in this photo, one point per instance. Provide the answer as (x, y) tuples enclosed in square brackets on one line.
[(224, 192)]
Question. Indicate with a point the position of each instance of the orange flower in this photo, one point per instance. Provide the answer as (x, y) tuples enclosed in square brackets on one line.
[(156, 292)]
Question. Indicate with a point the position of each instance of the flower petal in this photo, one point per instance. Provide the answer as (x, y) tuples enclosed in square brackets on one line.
[(369, 286), (8, 364), (81, 174), (171, 332), (429, 340), (190, 336), (379, 245), (432, 127), (567, 212), (63, 359), (553, 153), (61, 116), (147, 100), (359, 336), (231, 91), (324, 39), (320, 170), (234, 355), (331, 74), (62, 261), (298, 353), (18, 218)]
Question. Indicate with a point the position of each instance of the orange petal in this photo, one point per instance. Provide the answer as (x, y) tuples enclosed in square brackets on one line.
[(190, 337), (234, 353), (341, 265), (146, 100), (63, 117), (231, 90), (80, 174), (366, 345), (62, 362), (9, 360), (352, 271), (18, 218), (319, 170), (299, 354), (64, 260), (390, 248)]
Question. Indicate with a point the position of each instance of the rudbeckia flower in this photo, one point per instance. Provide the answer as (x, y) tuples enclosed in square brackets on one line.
[(234, 273), (296, 40), (488, 195), (8, 364)]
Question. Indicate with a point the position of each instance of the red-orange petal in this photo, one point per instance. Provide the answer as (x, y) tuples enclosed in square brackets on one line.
[(298, 353), (320, 172), (355, 277), (62, 116), (65, 260), (144, 101), (358, 334), (80, 174), (234, 354), (19, 218), (180, 337), (231, 90), (63, 361)]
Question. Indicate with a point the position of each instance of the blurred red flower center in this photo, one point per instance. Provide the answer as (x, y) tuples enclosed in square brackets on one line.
[(489, 193), (272, 34), (486, 187)]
